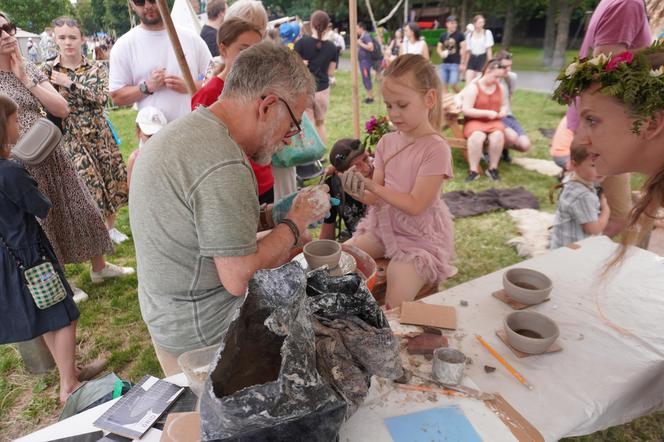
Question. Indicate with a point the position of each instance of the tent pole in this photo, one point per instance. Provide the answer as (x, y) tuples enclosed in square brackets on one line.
[(354, 70), (177, 47)]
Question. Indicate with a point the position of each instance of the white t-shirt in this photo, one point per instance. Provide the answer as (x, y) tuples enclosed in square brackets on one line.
[(138, 52), (413, 48), (479, 45)]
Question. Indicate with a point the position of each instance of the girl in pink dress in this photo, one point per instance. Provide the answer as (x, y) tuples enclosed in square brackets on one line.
[(408, 221)]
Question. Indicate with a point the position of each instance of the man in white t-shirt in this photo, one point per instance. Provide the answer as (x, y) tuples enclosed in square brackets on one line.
[(144, 69)]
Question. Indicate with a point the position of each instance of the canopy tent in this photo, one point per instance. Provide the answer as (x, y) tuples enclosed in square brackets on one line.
[(23, 36)]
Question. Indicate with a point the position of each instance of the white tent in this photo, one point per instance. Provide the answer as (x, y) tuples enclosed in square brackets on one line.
[(184, 16), (22, 37)]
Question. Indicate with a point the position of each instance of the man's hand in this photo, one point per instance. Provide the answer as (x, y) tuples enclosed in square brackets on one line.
[(156, 80), (61, 79), (310, 205), (175, 83)]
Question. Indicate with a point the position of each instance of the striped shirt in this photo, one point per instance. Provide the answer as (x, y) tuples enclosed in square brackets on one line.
[(578, 205)]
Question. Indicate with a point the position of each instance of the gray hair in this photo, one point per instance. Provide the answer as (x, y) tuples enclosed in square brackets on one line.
[(249, 10), (265, 69)]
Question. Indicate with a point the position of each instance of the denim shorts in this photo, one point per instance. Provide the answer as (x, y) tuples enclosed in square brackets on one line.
[(449, 73)]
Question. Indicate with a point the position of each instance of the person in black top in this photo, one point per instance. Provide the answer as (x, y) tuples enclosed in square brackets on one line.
[(24, 243), (216, 9), (451, 46), (346, 153), (320, 56)]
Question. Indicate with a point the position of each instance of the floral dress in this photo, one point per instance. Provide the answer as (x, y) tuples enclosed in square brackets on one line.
[(74, 225), (87, 137)]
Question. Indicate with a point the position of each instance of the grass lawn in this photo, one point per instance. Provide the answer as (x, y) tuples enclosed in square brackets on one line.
[(111, 323)]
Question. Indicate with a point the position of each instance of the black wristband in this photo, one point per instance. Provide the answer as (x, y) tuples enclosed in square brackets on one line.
[(291, 225)]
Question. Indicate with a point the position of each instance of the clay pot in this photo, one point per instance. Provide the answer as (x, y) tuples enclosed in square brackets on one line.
[(527, 286), (322, 252), (448, 365), (530, 332)]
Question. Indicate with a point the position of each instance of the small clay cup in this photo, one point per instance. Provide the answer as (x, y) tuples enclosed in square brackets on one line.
[(530, 332), (527, 286), (448, 366), (321, 252)]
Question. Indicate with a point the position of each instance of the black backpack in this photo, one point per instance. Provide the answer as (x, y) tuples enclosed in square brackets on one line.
[(377, 53)]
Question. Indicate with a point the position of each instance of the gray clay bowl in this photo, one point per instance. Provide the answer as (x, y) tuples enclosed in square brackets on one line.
[(322, 252), (527, 286), (536, 332)]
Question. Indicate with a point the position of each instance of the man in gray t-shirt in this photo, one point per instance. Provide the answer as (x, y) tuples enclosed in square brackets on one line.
[(194, 207)]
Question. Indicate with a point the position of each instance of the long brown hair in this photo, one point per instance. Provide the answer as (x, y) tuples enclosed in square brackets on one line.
[(229, 31), (7, 108), (319, 22), (424, 79)]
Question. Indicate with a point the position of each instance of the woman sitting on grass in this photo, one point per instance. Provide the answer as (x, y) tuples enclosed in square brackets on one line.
[(484, 110)]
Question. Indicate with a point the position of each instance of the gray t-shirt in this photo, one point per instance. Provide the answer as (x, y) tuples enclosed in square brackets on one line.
[(578, 205), (193, 196)]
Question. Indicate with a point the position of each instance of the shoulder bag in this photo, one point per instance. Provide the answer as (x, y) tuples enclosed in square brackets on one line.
[(38, 142), (42, 280)]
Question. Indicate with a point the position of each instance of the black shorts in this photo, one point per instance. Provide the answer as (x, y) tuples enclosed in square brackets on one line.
[(477, 62)]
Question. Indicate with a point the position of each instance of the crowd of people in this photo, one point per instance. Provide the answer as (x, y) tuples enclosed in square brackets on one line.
[(203, 201)]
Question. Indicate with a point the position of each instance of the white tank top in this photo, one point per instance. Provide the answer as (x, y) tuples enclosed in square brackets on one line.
[(413, 48)]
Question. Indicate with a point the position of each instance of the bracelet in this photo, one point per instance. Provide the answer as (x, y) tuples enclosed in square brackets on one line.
[(291, 225), (34, 83)]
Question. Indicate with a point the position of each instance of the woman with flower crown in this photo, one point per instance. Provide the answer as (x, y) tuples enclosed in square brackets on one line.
[(621, 109)]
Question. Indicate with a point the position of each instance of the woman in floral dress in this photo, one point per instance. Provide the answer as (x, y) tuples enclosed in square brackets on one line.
[(74, 225), (87, 137)]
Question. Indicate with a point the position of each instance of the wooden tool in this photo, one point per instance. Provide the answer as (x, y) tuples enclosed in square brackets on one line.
[(426, 389), (506, 364)]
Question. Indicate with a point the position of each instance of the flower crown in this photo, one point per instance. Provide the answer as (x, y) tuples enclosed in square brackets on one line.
[(628, 77)]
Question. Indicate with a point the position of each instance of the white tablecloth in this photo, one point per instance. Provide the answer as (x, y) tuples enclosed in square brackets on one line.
[(610, 371), (602, 377)]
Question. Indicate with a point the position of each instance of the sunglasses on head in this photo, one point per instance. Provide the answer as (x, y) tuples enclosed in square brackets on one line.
[(65, 21), (142, 2), (9, 28)]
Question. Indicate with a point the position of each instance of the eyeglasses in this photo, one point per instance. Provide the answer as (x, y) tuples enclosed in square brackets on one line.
[(9, 28), (142, 2), (293, 130), (65, 21)]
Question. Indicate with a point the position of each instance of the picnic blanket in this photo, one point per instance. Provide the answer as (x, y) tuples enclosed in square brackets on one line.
[(545, 167), (464, 203), (535, 229)]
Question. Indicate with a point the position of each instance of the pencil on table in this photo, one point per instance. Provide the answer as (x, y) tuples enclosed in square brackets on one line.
[(506, 364)]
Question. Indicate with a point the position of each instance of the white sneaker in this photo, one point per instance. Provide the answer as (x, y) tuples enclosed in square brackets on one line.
[(110, 271), (79, 295), (116, 236)]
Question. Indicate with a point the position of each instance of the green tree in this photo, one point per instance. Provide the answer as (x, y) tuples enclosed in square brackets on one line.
[(35, 15)]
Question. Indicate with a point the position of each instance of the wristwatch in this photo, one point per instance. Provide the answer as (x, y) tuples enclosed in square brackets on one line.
[(143, 87)]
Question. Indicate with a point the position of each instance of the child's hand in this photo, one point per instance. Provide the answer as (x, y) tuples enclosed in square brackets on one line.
[(353, 182)]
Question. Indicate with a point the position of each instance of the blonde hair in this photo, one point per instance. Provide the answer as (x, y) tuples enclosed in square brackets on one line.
[(249, 10), (424, 79)]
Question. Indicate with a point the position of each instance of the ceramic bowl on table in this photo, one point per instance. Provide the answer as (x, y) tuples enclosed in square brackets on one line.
[(527, 286), (530, 332)]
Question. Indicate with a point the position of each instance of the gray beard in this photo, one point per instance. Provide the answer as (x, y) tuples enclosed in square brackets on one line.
[(264, 156)]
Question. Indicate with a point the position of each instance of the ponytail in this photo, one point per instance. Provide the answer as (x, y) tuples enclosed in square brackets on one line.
[(319, 22)]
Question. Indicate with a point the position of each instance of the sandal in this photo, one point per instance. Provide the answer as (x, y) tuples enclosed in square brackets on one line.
[(92, 370)]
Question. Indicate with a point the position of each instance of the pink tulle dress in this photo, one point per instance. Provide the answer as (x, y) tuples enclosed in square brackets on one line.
[(428, 238)]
